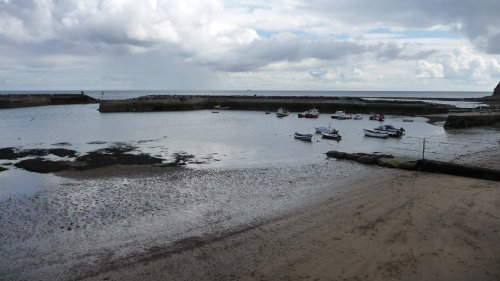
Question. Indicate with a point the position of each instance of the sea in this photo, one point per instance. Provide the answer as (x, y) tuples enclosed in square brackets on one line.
[(126, 94), (245, 168)]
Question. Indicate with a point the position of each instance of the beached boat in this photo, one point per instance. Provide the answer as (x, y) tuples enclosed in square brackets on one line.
[(305, 137), (358, 117), (311, 113), (377, 117), (341, 115), (391, 130), (375, 134), (334, 134), (282, 112), (219, 107)]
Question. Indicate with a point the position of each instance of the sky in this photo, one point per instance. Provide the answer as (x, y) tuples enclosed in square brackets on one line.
[(320, 45)]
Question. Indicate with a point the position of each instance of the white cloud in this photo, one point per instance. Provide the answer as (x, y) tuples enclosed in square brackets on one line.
[(317, 44)]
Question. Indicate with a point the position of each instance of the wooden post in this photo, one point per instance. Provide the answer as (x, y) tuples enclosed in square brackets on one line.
[(423, 150)]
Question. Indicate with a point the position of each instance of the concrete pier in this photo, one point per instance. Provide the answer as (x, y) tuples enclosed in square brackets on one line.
[(472, 120), (27, 100)]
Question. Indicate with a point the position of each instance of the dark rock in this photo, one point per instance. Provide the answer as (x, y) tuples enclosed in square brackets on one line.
[(61, 152), (496, 91), (40, 165), (8, 153), (114, 156), (11, 153), (96, 142), (360, 157), (3, 169), (62, 144)]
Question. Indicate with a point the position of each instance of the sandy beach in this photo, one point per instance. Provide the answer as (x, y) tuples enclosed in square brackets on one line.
[(397, 225)]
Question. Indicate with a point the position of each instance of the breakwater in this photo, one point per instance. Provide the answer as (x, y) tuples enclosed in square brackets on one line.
[(424, 165), (465, 121), (27, 100), (271, 103)]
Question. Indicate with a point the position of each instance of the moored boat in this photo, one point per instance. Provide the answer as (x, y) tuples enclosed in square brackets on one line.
[(390, 130), (282, 112), (322, 129), (311, 113), (341, 115), (358, 117), (375, 134), (377, 117), (333, 134), (305, 137)]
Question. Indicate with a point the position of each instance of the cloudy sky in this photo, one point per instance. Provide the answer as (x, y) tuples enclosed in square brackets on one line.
[(240, 44)]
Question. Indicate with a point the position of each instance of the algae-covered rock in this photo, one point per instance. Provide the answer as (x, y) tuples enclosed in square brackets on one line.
[(40, 165)]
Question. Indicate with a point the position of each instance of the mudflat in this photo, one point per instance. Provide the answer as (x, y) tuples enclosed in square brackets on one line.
[(398, 225)]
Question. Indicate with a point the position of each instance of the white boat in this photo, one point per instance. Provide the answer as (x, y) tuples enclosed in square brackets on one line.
[(391, 130), (305, 137), (341, 115), (282, 112), (375, 134), (322, 129), (334, 134), (358, 117)]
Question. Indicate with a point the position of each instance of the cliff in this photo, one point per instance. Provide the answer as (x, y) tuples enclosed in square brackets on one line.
[(496, 91)]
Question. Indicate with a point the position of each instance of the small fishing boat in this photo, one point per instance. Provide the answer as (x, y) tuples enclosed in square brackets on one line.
[(333, 134), (311, 113), (390, 130), (358, 117), (320, 130), (375, 134), (341, 115), (219, 107), (377, 117), (282, 112), (305, 137)]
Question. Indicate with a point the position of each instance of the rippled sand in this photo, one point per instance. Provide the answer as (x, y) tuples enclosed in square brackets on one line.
[(105, 218)]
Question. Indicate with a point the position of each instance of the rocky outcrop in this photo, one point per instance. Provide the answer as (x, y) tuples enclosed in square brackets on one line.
[(118, 154), (496, 91)]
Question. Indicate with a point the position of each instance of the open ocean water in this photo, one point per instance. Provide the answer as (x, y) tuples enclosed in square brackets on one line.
[(118, 94)]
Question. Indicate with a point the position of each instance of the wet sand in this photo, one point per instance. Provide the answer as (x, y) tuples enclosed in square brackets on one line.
[(395, 225)]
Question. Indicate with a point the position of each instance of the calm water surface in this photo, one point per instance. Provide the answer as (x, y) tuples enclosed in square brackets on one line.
[(227, 139)]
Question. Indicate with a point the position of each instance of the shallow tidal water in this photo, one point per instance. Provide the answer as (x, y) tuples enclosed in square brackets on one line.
[(249, 169)]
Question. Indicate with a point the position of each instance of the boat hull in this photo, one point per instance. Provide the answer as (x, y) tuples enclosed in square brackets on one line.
[(375, 134), (331, 136), (304, 137)]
